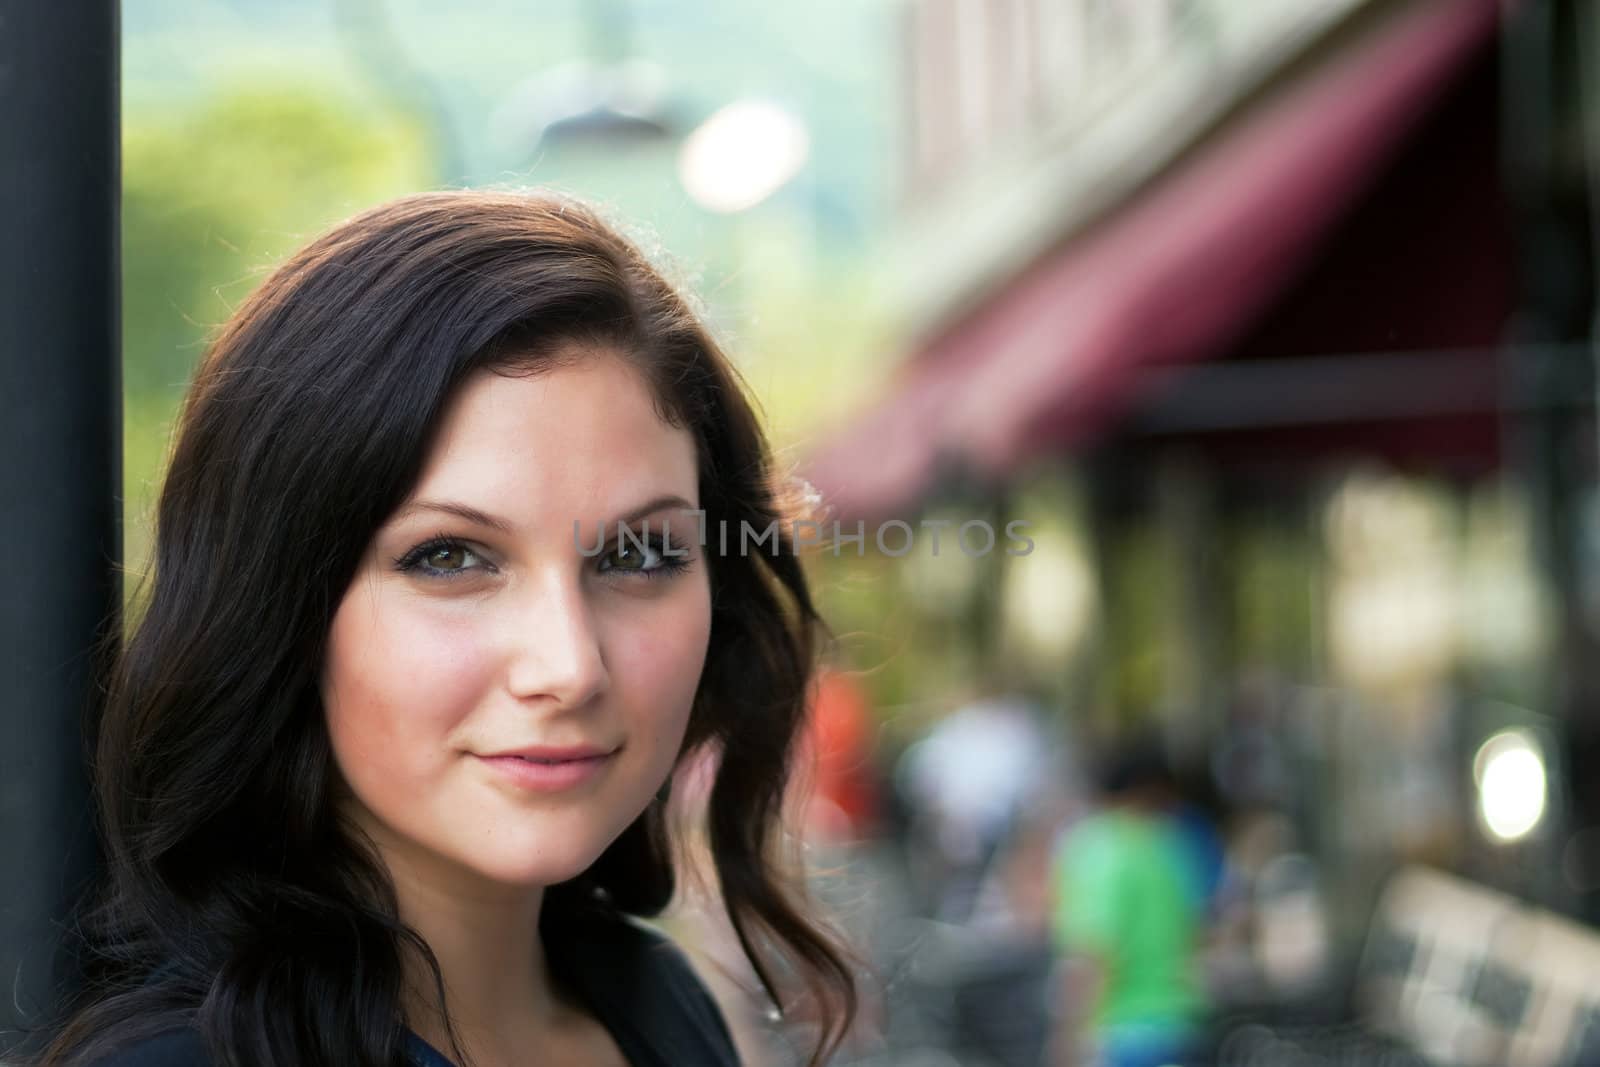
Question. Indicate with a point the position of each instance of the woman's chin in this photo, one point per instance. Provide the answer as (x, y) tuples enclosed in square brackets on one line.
[(523, 873)]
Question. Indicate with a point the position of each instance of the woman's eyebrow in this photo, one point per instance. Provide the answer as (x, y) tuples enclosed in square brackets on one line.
[(493, 522), (460, 511), (660, 503)]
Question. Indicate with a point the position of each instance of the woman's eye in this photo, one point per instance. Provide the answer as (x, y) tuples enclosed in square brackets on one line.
[(442, 558), (640, 556), (629, 556), (448, 558), (451, 558)]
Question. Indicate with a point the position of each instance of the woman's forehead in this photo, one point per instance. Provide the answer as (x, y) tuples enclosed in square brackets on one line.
[(580, 435)]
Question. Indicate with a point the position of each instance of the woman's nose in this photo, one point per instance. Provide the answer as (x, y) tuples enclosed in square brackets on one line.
[(558, 652)]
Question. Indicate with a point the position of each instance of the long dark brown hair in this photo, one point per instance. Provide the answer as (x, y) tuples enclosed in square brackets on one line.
[(235, 901)]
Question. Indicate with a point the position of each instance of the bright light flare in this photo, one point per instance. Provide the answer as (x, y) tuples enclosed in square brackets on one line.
[(741, 155), (1512, 786)]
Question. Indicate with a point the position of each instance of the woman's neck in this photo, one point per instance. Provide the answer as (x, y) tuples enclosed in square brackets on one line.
[(489, 953), (499, 991)]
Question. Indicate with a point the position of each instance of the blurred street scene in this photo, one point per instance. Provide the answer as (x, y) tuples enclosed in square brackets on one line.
[(1270, 733)]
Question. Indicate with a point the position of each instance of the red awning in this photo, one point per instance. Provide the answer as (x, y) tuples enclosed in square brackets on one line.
[(1174, 276)]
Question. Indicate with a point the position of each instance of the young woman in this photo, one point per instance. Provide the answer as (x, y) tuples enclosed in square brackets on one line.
[(383, 767)]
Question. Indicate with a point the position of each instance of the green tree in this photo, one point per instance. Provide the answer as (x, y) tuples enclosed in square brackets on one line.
[(213, 198)]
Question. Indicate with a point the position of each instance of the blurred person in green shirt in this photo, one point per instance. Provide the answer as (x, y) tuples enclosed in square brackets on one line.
[(1130, 885)]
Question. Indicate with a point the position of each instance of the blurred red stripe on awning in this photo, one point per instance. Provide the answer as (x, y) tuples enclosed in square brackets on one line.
[(1175, 275)]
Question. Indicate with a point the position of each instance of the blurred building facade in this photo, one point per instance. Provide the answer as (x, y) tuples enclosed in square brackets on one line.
[(1286, 310)]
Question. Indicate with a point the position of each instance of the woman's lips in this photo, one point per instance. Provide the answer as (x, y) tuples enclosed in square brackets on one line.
[(546, 775)]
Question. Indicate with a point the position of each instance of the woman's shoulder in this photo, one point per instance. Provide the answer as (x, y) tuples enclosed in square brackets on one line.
[(648, 980), (179, 1047), (640, 978)]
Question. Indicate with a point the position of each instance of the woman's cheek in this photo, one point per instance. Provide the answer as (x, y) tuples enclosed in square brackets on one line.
[(664, 658), (441, 665), (401, 688)]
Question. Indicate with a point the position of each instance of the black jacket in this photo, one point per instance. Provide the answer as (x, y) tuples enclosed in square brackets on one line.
[(636, 981)]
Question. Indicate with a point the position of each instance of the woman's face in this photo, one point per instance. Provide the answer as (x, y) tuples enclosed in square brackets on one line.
[(479, 647)]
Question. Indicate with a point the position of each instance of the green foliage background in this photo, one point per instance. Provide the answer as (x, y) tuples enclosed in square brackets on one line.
[(213, 197)]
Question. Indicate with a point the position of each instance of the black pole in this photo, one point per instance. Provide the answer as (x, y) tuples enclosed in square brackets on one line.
[(61, 475)]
